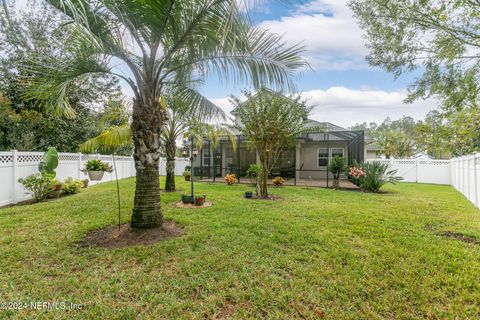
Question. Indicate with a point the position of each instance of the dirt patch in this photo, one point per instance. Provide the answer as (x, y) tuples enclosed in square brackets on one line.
[(113, 237), (460, 237), (182, 205), (270, 197)]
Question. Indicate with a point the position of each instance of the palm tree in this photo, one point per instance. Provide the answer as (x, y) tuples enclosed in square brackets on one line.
[(180, 121), (159, 45)]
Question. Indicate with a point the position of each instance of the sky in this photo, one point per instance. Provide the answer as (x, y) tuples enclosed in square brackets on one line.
[(341, 86)]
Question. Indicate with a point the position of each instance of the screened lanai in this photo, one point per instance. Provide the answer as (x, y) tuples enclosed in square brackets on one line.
[(305, 163)]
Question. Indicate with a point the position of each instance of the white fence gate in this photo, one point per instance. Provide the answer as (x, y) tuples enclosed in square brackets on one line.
[(15, 165)]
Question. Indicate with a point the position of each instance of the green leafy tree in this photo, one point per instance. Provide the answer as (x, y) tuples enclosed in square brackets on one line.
[(438, 37), (282, 120), (25, 37), (434, 136), (161, 43)]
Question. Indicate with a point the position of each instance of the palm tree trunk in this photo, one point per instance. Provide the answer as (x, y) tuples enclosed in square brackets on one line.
[(147, 126), (170, 150)]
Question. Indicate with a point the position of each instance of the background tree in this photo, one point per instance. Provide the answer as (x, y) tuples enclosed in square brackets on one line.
[(282, 120), (438, 37), (434, 136), (161, 43), (31, 35), (394, 144)]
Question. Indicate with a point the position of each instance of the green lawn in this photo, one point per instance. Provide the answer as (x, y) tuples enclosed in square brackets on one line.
[(315, 253)]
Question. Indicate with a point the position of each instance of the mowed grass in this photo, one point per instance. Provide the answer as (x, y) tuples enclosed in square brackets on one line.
[(316, 253)]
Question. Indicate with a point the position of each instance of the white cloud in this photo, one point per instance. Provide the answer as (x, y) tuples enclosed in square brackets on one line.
[(330, 34), (346, 107)]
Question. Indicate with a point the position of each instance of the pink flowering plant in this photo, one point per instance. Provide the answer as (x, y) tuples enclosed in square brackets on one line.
[(356, 174)]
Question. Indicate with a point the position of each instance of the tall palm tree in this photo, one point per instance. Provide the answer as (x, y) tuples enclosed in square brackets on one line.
[(159, 45)]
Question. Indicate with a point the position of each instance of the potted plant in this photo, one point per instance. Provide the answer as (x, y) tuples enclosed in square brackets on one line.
[(199, 201), (186, 174), (187, 198), (85, 183), (249, 194), (96, 169), (55, 189)]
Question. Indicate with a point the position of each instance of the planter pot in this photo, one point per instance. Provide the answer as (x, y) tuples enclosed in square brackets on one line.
[(187, 199), (55, 194), (85, 183), (187, 178), (249, 195), (95, 175), (199, 201)]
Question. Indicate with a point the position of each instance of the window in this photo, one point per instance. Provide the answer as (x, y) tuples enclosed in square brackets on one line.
[(322, 157), (336, 152), (206, 157)]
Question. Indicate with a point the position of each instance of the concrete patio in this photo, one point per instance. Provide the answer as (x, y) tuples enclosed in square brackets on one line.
[(344, 183)]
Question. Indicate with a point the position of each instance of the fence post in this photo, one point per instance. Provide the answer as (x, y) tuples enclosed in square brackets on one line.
[(15, 175), (79, 165), (475, 179), (416, 170)]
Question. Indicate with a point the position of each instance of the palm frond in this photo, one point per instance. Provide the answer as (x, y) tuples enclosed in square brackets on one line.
[(109, 140)]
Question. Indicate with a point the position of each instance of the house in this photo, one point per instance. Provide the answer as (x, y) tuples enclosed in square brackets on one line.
[(307, 160)]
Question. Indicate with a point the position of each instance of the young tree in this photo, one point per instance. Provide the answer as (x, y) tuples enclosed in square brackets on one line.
[(439, 37), (270, 122), (161, 43)]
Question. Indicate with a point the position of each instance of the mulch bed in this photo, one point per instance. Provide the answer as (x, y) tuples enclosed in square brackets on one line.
[(182, 205), (112, 237), (460, 237)]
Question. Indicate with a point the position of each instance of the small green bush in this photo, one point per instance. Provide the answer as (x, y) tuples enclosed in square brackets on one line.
[(39, 185), (377, 175), (72, 186)]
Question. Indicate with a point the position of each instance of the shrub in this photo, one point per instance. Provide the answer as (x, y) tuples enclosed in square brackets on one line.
[(39, 185), (377, 175), (337, 166), (356, 174), (97, 165), (230, 179), (72, 186), (278, 181)]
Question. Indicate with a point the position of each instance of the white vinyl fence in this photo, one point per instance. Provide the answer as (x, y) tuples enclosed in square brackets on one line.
[(463, 173), (422, 171), (15, 165), (466, 177)]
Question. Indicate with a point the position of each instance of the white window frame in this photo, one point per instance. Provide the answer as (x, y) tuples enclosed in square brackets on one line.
[(318, 156), (209, 158), (329, 157)]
